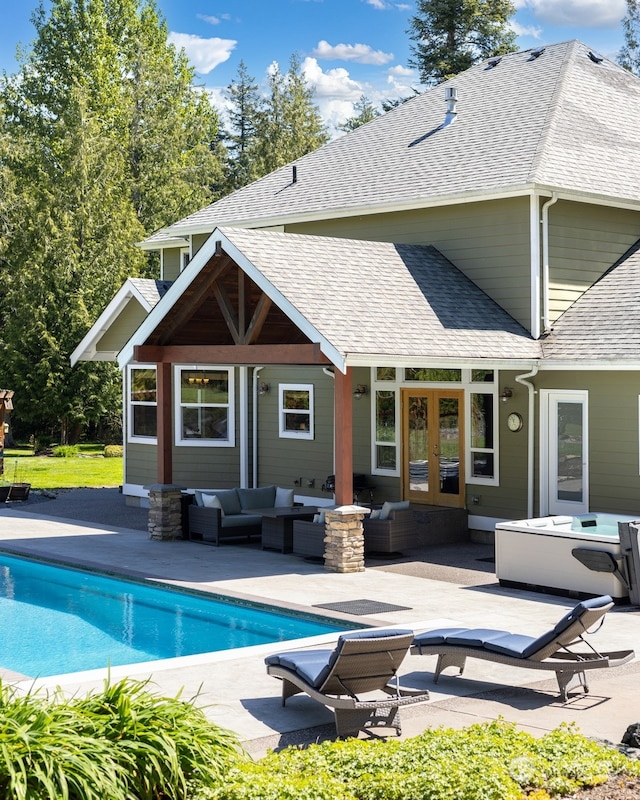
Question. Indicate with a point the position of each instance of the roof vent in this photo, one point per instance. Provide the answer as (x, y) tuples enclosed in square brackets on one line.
[(595, 57), (537, 53), (451, 99), (493, 62), (294, 174)]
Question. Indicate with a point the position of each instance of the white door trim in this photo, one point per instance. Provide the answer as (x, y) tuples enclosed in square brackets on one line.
[(549, 503)]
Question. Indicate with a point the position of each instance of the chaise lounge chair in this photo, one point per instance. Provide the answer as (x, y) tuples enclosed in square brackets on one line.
[(551, 651), (363, 661)]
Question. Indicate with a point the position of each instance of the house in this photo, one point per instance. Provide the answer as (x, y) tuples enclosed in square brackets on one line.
[(443, 300)]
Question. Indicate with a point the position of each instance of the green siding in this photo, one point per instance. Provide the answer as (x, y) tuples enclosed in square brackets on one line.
[(170, 263), (197, 240), (140, 464), (584, 241), (614, 480), (489, 242), (123, 328)]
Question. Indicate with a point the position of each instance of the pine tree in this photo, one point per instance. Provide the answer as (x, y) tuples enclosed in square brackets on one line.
[(243, 122), (449, 36), (365, 112), (289, 124), (629, 56)]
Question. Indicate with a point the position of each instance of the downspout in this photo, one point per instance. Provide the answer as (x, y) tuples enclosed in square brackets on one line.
[(332, 375), (254, 448), (244, 427), (522, 379), (534, 237), (546, 323)]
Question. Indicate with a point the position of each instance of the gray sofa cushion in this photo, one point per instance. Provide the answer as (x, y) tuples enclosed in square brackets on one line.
[(229, 501), (241, 520), (263, 497)]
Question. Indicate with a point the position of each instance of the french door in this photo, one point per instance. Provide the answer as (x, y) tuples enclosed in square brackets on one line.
[(564, 452), (433, 446)]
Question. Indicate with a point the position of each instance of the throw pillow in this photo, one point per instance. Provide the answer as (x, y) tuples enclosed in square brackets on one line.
[(211, 501), (375, 514), (387, 508), (284, 497)]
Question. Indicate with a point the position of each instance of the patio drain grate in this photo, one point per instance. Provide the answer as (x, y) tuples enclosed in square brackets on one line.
[(362, 607)]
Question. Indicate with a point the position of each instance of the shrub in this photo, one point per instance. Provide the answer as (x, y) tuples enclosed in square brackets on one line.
[(113, 451), (492, 761), (66, 451), (122, 743)]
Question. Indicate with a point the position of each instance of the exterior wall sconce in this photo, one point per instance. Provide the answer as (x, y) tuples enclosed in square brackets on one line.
[(360, 391), (264, 388), (506, 394)]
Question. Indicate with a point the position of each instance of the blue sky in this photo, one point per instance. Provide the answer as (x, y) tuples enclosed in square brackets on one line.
[(348, 47)]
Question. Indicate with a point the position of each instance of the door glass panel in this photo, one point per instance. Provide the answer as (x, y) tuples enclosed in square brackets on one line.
[(569, 465), (418, 444), (449, 445)]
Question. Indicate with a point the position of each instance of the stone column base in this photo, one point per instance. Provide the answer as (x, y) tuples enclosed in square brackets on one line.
[(165, 512), (344, 539)]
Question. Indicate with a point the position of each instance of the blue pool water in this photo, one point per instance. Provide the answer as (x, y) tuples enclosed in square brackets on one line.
[(56, 620)]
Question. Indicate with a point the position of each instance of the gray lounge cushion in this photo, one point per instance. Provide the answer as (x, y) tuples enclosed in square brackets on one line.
[(264, 497), (284, 497), (241, 520), (229, 501), (388, 508)]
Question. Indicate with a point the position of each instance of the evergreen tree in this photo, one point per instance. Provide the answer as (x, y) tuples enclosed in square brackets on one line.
[(629, 56), (365, 112), (243, 122), (111, 141), (449, 36), (289, 124)]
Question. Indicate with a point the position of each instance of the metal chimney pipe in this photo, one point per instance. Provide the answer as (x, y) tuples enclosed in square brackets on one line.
[(451, 99)]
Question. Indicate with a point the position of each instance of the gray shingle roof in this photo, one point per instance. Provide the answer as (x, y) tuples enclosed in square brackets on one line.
[(560, 121), (377, 298), (603, 323), (151, 290)]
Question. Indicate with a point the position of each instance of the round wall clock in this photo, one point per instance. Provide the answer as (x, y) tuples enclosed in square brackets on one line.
[(514, 421)]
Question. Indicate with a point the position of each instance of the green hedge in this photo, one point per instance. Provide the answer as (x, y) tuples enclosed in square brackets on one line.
[(492, 761), (113, 451)]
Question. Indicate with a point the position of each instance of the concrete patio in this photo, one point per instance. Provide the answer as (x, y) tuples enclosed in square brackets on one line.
[(444, 585)]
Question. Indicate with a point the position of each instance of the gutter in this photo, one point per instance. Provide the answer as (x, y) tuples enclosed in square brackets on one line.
[(546, 323)]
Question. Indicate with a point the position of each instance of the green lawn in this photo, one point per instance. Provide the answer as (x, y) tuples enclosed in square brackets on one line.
[(88, 469)]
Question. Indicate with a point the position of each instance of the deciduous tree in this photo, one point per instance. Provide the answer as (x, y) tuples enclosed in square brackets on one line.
[(629, 56)]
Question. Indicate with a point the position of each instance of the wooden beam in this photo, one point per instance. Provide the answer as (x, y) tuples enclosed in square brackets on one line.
[(299, 354), (343, 437), (228, 313), (165, 439), (186, 308), (257, 321)]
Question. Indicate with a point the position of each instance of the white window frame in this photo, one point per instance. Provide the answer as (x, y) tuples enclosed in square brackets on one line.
[(180, 440), (385, 386), (490, 389), (131, 404), (282, 412), (185, 258)]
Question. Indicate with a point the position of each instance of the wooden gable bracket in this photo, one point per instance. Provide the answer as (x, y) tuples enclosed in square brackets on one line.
[(185, 310)]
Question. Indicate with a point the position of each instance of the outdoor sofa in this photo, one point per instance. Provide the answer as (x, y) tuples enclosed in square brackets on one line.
[(220, 514)]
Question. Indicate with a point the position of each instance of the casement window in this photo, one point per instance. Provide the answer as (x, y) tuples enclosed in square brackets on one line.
[(296, 410), (385, 428), (143, 405), (204, 407)]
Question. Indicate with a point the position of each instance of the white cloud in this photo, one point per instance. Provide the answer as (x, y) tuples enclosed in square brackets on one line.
[(402, 72), (204, 54), (360, 53), (582, 13), (210, 20), (379, 4), (335, 93), (525, 30)]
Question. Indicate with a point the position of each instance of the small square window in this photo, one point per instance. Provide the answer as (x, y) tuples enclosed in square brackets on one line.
[(296, 411)]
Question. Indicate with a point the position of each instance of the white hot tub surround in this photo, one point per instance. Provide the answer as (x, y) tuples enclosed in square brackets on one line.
[(537, 553)]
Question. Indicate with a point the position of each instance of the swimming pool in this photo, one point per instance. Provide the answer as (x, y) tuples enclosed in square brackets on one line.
[(57, 620)]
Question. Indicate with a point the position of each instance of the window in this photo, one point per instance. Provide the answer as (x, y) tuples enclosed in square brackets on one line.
[(204, 406), (482, 411), (433, 375), (385, 434), (143, 405), (296, 411)]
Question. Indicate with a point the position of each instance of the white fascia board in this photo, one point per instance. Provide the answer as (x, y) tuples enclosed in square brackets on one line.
[(386, 360), (186, 277), (87, 349), (170, 241), (590, 365)]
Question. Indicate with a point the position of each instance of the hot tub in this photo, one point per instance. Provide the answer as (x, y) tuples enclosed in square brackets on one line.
[(538, 554)]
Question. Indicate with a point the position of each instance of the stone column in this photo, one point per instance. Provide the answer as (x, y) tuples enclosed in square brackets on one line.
[(344, 539), (165, 513)]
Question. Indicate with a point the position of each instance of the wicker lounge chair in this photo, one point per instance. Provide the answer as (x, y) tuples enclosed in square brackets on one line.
[(551, 651), (363, 661)]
